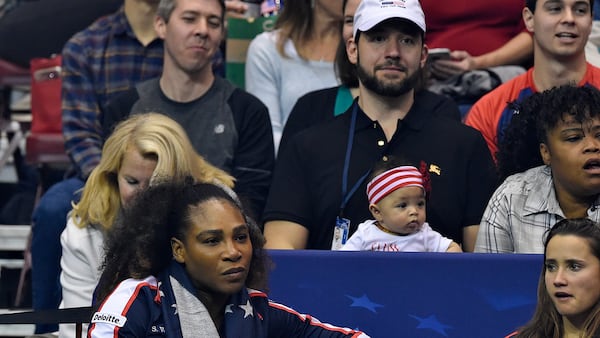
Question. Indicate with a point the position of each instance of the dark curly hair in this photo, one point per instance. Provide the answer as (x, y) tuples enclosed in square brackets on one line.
[(139, 244), (519, 146)]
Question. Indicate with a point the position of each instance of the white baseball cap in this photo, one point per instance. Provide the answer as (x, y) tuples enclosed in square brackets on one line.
[(371, 12)]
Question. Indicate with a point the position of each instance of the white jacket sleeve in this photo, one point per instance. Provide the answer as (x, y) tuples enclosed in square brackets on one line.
[(82, 253)]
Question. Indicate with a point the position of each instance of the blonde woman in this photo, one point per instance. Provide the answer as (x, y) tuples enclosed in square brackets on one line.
[(141, 151)]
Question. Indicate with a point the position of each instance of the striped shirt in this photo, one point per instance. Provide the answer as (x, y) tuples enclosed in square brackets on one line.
[(520, 212), (99, 63)]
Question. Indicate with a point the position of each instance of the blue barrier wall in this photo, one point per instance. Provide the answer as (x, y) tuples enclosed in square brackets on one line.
[(410, 294)]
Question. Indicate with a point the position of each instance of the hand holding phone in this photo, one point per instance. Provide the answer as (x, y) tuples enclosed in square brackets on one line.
[(438, 54)]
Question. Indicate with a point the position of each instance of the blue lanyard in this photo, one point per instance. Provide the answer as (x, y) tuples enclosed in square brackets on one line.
[(345, 194)]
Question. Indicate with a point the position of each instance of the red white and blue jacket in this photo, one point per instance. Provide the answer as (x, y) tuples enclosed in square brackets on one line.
[(147, 308)]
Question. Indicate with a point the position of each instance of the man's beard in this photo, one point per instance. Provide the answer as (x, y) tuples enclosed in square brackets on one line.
[(387, 89)]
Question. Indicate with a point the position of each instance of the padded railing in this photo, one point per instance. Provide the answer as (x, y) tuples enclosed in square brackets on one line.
[(399, 294), (76, 316)]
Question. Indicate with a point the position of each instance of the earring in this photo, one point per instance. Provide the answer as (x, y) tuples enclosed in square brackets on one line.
[(312, 4)]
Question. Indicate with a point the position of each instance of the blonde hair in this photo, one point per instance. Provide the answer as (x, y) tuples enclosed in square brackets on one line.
[(155, 136)]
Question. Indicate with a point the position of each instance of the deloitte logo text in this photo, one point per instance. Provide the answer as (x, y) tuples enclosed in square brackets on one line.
[(109, 318)]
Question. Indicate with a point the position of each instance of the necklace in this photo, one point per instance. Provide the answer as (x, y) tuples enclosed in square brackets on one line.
[(387, 230)]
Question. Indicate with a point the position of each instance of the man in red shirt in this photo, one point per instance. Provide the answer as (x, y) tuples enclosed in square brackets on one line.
[(560, 31)]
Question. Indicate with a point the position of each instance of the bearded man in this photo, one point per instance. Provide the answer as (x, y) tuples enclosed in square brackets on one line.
[(317, 197)]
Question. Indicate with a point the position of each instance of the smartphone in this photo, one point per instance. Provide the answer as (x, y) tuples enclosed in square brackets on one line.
[(438, 54)]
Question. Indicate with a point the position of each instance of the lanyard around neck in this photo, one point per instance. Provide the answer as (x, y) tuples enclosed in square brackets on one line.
[(346, 195)]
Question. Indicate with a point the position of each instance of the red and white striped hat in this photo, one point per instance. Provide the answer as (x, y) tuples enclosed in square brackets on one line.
[(388, 181)]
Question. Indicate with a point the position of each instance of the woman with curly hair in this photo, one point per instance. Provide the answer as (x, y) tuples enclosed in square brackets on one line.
[(143, 149), (519, 149), (551, 151), (569, 287), (186, 261)]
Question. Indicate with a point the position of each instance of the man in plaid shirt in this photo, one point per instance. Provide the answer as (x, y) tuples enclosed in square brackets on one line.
[(100, 62)]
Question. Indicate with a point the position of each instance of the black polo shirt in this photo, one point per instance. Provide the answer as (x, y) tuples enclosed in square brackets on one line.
[(318, 106), (307, 184)]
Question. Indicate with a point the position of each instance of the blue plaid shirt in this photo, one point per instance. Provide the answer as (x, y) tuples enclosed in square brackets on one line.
[(99, 63)]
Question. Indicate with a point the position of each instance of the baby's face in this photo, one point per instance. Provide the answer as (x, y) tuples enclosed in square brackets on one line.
[(402, 211)]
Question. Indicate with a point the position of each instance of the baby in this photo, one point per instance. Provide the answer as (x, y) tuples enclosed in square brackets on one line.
[(397, 196)]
